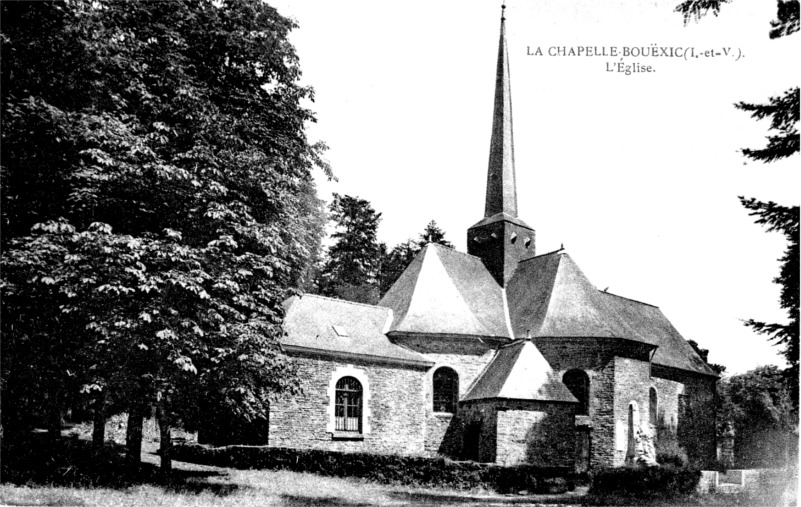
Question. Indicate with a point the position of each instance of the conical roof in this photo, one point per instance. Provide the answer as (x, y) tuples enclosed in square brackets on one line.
[(550, 296), (519, 371), (446, 292)]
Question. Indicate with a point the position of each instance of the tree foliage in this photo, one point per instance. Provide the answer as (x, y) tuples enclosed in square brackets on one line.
[(432, 234), (353, 262), (758, 406), (783, 114), (704, 354), (786, 21), (157, 201), (785, 220), (398, 259)]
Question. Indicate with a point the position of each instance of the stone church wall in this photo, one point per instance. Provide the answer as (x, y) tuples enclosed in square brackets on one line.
[(598, 363), (521, 431), (632, 384), (541, 434), (394, 409), (687, 412), (468, 360)]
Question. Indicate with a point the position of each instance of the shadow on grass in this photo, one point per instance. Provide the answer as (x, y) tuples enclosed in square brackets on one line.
[(320, 500), (435, 498), (71, 462)]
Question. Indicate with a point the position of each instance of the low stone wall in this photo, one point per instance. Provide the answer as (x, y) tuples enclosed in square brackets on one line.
[(736, 481)]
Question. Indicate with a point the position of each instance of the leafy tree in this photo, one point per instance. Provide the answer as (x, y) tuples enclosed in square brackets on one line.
[(758, 406), (786, 21), (353, 262), (157, 203)]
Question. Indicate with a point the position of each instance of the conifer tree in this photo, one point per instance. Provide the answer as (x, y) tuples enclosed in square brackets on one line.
[(352, 265), (398, 259), (783, 112)]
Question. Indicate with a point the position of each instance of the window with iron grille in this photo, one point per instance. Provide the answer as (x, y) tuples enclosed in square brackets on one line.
[(348, 408), (578, 383), (446, 390)]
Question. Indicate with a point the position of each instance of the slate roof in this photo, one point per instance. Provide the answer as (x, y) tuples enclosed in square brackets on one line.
[(549, 296), (651, 325), (446, 292), (309, 323), (519, 371)]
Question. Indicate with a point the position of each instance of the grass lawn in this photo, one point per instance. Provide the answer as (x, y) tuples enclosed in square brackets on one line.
[(66, 473)]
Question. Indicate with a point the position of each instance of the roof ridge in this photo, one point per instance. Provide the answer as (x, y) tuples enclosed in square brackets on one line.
[(542, 255), (454, 250), (628, 299), (318, 296)]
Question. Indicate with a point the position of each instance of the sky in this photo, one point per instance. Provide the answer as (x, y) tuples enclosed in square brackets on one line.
[(636, 175)]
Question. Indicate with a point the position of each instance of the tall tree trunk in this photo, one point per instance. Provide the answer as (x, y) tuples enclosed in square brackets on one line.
[(133, 436), (166, 439), (99, 422)]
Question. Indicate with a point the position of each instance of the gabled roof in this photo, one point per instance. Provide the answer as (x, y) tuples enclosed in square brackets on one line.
[(336, 326), (447, 292), (651, 325), (549, 296), (519, 371)]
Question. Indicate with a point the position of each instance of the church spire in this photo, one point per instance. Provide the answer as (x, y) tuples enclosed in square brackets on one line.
[(500, 239), (501, 185)]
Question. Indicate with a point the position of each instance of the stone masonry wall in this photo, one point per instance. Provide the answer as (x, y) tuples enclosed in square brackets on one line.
[(632, 384), (667, 393), (468, 359), (695, 431), (483, 415), (394, 409), (538, 433), (598, 362)]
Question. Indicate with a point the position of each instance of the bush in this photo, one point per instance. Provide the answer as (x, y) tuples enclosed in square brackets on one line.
[(664, 482), (668, 451), (384, 468)]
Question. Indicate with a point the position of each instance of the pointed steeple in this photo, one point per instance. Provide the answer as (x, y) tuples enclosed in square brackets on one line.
[(501, 239), (501, 185)]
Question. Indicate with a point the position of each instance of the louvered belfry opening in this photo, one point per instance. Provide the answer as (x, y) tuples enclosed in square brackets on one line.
[(348, 408)]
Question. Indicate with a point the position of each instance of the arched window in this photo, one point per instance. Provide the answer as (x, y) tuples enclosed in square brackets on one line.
[(348, 408), (446, 390), (652, 407), (578, 383)]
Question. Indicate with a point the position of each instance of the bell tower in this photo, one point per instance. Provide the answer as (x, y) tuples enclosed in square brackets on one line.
[(501, 239)]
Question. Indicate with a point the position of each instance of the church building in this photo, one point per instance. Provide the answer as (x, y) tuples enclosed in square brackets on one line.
[(498, 355)]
